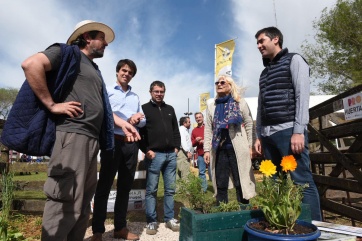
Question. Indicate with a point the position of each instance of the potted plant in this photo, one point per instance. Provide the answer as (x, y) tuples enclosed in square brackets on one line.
[(201, 220), (280, 200)]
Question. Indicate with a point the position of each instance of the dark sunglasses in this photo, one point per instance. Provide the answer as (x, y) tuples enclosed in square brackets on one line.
[(220, 82)]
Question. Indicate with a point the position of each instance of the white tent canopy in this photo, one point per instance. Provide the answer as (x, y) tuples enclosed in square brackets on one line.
[(314, 100)]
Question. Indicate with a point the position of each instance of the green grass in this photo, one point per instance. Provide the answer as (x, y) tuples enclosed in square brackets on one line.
[(34, 194), (28, 167), (41, 176), (29, 195)]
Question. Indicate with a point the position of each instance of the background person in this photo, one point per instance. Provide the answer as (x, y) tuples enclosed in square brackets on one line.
[(228, 142), (197, 139), (185, 154), (283, 111)]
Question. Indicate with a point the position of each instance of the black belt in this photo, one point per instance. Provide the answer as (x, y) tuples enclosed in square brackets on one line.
[(164, 150), (121, 138)]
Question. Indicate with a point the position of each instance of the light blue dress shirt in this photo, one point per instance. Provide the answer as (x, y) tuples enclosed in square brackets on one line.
[(124, 104)]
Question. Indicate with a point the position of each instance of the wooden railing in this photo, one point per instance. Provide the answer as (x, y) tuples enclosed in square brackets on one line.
[(336, 166)]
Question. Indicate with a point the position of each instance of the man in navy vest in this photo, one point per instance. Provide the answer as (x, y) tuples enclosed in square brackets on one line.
[(283, 115)]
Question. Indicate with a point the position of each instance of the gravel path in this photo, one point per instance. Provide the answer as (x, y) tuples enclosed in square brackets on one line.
[(163, 234)]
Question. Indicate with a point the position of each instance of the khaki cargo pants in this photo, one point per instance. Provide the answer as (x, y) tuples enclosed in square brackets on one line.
[(70, 186)]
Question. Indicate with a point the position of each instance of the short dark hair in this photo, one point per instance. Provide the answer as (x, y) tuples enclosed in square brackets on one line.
[(81, 42), (271, 32), (157, 83), (128, 62), (183, 120)]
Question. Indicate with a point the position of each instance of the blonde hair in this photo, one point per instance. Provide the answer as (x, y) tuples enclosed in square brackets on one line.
[(235, 90)]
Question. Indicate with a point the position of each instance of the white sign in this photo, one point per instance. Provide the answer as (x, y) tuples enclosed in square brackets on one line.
[(136, 199), (353, 106), (137, 194)]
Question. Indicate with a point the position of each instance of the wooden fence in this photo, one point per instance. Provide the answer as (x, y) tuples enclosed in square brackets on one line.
[(336, 156)]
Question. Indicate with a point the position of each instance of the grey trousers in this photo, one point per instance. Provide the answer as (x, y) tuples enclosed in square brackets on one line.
[(70, 186)]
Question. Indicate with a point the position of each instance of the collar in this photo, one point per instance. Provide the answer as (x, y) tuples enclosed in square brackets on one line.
[(267, 61), (154, 103), (183, 127), (118, 87), (87, 60)]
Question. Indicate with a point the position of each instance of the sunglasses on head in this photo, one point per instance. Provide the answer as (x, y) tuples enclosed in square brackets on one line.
[(220, 82)]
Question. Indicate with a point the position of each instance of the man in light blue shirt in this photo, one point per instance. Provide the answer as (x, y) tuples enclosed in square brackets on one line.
[(126, 107)]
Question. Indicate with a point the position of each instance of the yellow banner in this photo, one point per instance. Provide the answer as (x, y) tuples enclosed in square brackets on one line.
[(203, 98), (224, 57)]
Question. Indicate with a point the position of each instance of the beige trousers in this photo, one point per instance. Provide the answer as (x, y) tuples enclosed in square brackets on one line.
[(183, 165)]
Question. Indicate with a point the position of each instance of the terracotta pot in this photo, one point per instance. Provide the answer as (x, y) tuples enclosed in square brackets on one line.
[(259, 235)]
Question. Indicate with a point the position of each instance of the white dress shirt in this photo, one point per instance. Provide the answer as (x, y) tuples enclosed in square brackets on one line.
[(186, 143)]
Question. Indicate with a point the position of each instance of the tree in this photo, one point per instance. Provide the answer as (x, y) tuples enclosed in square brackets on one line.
[(336, 56), (7, 98)]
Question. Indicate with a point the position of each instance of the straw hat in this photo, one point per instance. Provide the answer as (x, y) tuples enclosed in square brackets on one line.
[(90, 25)]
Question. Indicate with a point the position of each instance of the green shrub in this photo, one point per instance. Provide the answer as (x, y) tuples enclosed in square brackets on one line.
[(189, 190), (7, 195), (231, 206)]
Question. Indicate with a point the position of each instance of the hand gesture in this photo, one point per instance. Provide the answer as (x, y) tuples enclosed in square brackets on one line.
[(297, 143), (130, 132), (71, 109), (257, 146), (207, 157), (136, 118), (150, 155)]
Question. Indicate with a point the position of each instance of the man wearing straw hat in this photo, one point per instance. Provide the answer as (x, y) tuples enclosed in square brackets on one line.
[(70, 88)]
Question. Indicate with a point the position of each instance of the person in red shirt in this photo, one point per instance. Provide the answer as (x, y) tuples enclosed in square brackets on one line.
[(197, 139)]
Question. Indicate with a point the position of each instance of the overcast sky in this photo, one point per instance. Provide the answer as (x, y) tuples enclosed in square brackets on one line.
[(172, 41)]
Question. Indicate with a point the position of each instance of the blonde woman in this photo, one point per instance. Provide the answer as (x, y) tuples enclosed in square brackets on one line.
[(228, 142)]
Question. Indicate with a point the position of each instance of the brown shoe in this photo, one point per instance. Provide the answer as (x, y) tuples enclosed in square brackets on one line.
[(125, 234), (96, 237)]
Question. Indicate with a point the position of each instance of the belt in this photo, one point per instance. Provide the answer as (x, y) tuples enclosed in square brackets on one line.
[(164, 151), (121, 138)]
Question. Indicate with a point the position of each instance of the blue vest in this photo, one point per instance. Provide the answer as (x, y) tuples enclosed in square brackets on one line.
[(30, 127), (277, 91)]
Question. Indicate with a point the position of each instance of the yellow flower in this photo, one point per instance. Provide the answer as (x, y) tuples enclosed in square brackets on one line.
[(288, 163), (274, 198), (267, 168)]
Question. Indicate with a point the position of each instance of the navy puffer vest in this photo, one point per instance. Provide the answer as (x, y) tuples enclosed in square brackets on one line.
[(277, 91)]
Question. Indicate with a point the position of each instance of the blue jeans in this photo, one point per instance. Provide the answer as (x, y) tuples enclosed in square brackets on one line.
[(202, 171), (164, 162), (278, 145)]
